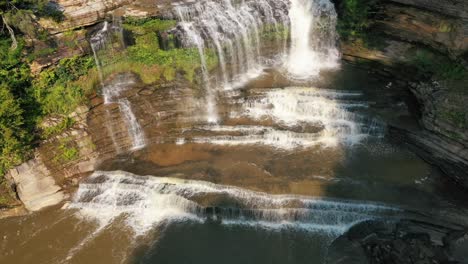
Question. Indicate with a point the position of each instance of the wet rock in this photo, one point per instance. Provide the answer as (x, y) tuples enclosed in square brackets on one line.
[(444, 140), (405, 241), (458, 247)]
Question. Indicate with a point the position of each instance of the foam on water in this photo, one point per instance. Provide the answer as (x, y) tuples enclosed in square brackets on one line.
[(325, 117), (145, 202)]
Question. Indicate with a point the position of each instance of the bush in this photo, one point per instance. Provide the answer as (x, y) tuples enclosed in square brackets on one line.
[(56, 89), (354, 20), (14, 80), (12, 133)]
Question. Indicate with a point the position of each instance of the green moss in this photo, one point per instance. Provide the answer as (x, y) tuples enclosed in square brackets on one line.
[(445, 27), (271, 33), (3, 201), (456, 117), (145, 58)]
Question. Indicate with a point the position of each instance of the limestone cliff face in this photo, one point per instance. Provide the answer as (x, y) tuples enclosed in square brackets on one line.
[(445, 119), (42, 181), (406, 26), (412, 24), (455, 8)]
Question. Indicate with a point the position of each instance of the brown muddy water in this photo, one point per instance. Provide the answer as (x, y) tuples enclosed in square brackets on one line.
[(288, 168)]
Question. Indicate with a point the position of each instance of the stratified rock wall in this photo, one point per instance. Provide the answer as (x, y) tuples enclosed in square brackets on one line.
[(42, 181), (439, 31), (404, 28), (455, 8)]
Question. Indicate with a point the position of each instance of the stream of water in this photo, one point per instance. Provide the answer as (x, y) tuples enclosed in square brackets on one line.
[(281, 154)]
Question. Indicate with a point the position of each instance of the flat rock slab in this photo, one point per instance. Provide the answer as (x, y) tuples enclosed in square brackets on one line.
[(35, 186)]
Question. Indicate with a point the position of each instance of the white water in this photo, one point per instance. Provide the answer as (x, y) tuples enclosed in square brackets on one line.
[(233, 31), (313, 38), (146, 202), (302, 118), (113, 93)]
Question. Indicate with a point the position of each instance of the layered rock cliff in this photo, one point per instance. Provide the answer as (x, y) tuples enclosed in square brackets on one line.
[(423, 44)]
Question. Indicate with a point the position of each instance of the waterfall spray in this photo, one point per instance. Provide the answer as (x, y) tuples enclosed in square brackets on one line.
[(313, 38)]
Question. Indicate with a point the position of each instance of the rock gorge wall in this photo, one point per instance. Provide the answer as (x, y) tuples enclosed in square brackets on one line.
[(404, 28)]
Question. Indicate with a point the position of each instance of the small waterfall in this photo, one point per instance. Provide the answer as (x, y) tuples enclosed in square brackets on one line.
[(233, 30), (313, 38), (146, 201), (302, 117), (112, 93)]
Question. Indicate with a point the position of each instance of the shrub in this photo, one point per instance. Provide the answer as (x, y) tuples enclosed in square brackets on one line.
[(354, 20), (56, 89)]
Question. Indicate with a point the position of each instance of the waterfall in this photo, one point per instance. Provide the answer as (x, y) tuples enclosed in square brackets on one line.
[(112, 93), (313, 38), (302, 118), (233, 31), (146, 201)]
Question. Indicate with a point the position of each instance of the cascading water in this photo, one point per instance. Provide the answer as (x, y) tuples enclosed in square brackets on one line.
[(313, 38), (233, 31), (302, 117), (112, 92), (148, 201)]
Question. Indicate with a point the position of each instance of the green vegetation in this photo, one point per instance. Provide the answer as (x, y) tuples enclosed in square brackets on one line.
[(458, 118), (440, 67), (63, 125), (57, 90), (354, 21), (272, 33), (67, 151), (145, 25), (145, 58), (14, 78), (25, 101)]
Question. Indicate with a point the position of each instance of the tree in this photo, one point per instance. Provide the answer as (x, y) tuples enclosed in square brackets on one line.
[(11, 131), (20, 16)]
